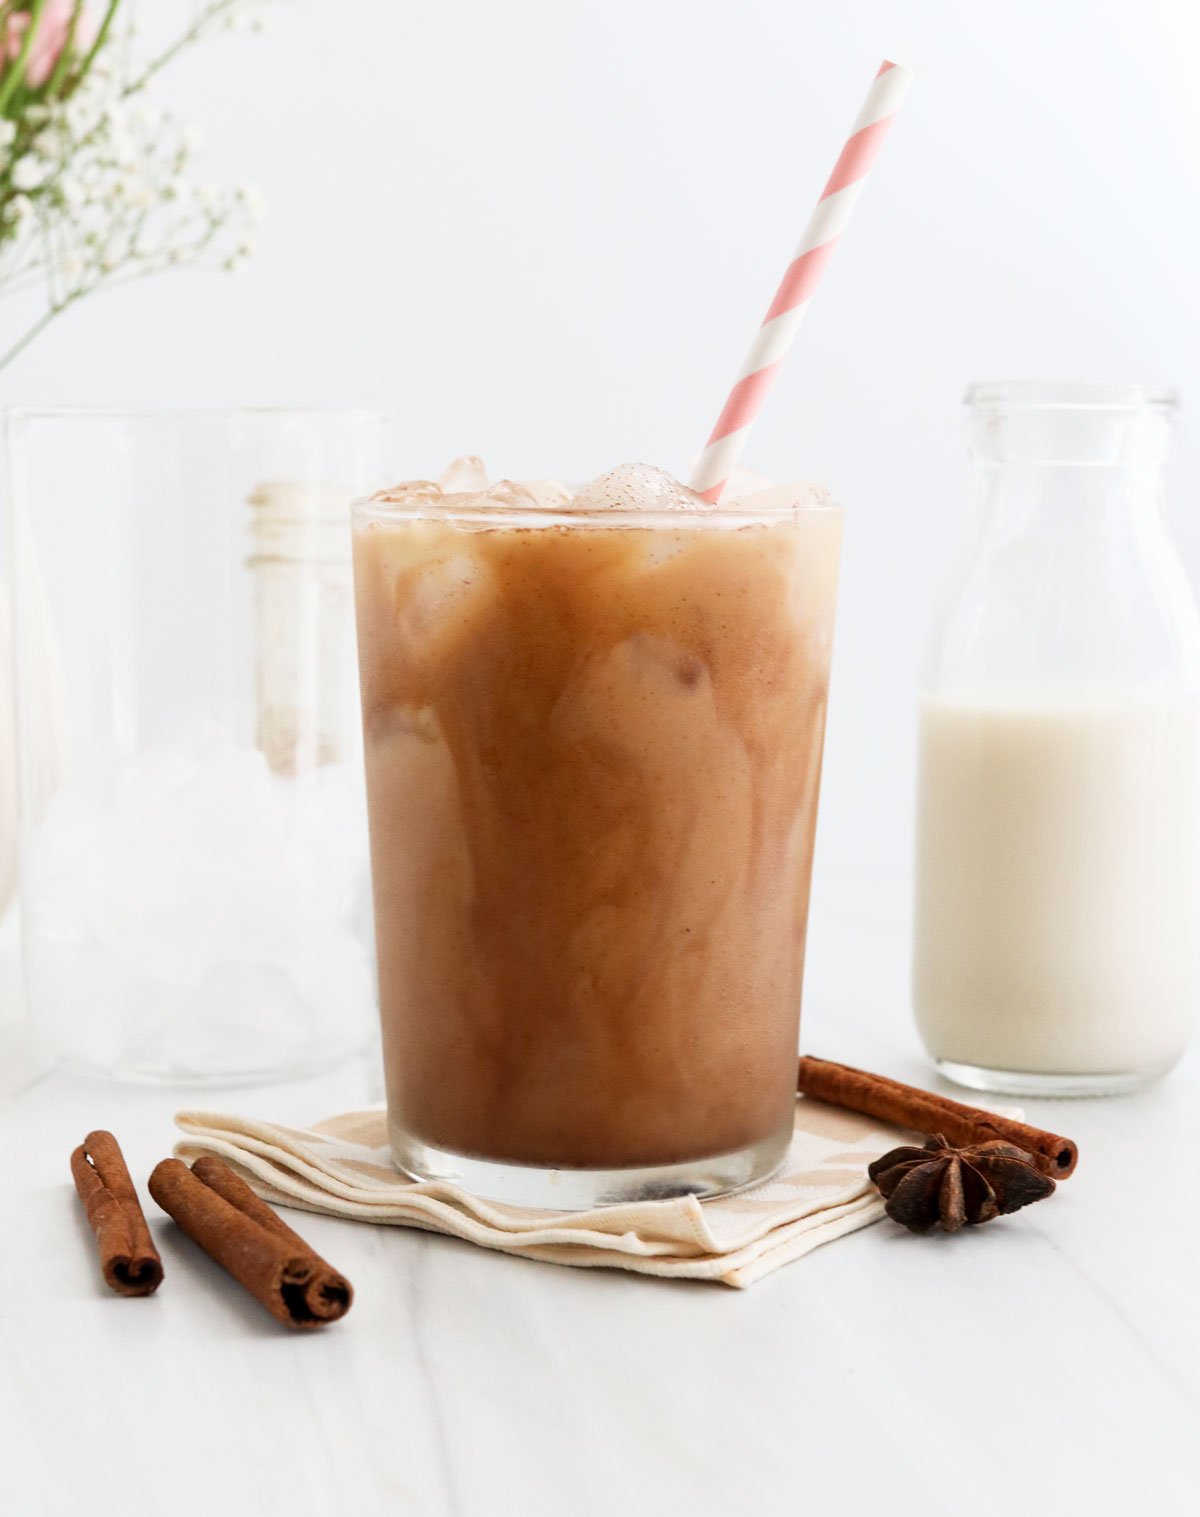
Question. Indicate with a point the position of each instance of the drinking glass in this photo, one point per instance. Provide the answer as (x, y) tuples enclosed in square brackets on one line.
[(593, 749), (192, 830)]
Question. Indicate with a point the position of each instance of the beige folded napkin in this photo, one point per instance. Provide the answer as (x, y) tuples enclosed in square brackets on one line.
[(342, 1168)]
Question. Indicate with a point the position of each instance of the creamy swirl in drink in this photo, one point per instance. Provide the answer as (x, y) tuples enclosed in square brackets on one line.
[(593, 734)]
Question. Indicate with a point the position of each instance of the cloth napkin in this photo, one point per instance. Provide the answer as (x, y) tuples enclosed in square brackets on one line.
[(342, 1168)]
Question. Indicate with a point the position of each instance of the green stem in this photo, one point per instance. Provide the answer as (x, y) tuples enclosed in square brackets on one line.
[(177, 46), (12, 285), (65, 54), (101, 39), (35, 330), (14, 74)]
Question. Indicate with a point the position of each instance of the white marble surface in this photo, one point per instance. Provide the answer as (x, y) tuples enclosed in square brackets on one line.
[(1047, 1363)]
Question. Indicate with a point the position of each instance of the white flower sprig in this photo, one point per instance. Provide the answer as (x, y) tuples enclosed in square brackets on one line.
[(97, 185)]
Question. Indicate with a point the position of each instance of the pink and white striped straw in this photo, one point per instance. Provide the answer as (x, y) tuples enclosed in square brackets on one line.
[(781, 322)]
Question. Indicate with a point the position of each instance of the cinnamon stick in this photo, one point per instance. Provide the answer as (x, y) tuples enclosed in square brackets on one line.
[(129, 1260), (923, 1111), (220, 1212)]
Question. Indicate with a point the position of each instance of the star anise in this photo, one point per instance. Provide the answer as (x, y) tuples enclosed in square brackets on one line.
[(939, 1183)]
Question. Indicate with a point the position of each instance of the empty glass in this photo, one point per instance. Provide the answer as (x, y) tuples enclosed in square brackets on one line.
[(192, 828)]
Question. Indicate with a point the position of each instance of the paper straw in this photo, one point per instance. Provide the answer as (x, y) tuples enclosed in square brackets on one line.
[(781, 322)]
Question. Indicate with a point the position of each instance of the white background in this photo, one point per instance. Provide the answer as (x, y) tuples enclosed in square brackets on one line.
[(544, 231)]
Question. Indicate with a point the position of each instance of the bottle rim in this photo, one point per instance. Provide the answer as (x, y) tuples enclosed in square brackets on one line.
[(1069, 395)]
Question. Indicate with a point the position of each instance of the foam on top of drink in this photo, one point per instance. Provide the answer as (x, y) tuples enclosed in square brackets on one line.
[(639, 487)]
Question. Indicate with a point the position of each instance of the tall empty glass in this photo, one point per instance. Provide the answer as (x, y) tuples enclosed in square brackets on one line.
[(593, 748), (193, 836)]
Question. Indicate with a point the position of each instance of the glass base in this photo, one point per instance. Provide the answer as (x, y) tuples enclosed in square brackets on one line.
[(582, 1189), (1015, 1082)]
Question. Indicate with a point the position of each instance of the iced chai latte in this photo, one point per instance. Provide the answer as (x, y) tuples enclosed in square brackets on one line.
[(593, 745)]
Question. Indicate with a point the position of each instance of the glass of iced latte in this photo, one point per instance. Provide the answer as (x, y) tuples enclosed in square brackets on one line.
[(593, 727)]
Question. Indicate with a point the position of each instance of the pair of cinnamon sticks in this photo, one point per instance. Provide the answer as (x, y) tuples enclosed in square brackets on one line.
[(217, 1210)]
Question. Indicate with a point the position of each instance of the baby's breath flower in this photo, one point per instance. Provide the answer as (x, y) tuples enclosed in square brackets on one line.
[(249, 196), (104, 174), (77, 118), (143, 118), (28, 173)]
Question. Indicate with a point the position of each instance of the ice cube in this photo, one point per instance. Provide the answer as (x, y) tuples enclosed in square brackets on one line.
[(241, 1015), (638, 487), (664, 666), (798, 495), (198, 902), (464, 476), (743, 482), (466, 479), (439, 600), (549, 494), (517, 497), (412, 490)]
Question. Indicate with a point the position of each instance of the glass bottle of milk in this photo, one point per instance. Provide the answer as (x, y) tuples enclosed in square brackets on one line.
[(1057, 945)]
